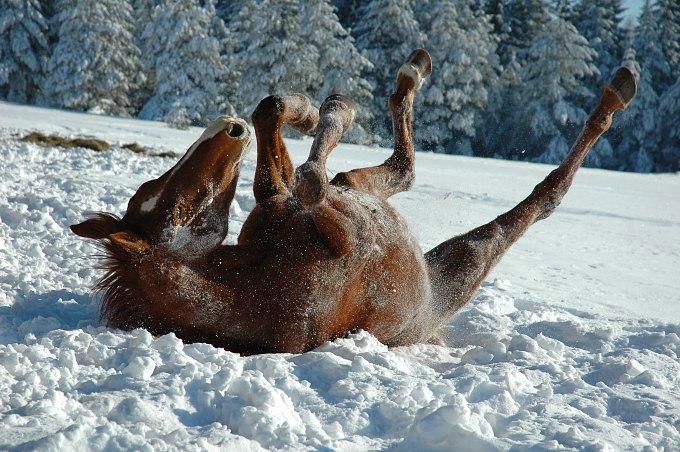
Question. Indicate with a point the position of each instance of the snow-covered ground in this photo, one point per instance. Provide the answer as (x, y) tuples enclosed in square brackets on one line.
[(573, 342)]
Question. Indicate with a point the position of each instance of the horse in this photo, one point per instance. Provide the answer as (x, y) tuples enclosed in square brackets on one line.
[(315, 259)]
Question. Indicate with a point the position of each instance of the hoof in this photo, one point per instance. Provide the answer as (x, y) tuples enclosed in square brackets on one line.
[(339, 103), (340, 98), (418, 67), (623, 84)]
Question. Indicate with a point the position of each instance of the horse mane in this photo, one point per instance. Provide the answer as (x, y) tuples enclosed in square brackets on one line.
[(121, 292)]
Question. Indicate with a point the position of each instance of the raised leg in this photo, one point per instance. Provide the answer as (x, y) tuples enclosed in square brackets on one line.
[(311, 187), (274, 173), (459, 265), (397, 173), (336, 116)]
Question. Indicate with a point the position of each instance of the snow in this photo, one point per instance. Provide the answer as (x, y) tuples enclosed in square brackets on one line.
[(571, 344)]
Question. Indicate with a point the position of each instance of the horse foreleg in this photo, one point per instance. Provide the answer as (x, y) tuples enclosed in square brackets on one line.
[(274, 173), (336, 117), (397, 173), (458, 266), (311, 187)]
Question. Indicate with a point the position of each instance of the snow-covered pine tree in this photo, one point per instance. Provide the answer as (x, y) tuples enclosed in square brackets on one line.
[(143, 12), (340, 67), (524, 19), (495, 9), (95, 65), (23, 49), (462, 44), (640, 123), (640, 144), (386, 33), (639, 148), (272, 52), (503, 95), (563, 9), (557, 62), (226, 10), (516, 23), (649, 51), (668, 23), (192, 80), (599, 21), (670, 129), (346, 11)]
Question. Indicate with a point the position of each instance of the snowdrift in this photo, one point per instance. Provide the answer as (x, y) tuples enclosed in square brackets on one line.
[(572, 344)]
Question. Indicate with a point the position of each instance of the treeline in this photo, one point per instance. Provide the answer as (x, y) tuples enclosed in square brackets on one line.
[(512, 78)]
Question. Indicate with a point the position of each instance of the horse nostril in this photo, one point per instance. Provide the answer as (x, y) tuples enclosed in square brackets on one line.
[(236, 130)]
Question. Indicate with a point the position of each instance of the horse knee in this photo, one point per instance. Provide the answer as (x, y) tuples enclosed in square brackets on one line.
[(311, 184)]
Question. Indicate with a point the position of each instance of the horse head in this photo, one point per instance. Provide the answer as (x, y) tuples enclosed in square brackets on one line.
[(186, 210)]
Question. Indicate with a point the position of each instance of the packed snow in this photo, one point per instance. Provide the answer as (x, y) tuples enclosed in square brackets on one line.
[(572, 343)]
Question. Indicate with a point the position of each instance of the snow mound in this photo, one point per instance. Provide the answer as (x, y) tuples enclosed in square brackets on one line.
[(522, 369)]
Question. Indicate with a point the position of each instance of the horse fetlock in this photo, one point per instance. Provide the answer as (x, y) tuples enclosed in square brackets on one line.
[(311, 183)]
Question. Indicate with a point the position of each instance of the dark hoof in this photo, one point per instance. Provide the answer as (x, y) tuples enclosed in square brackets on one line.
[(349, 103), (623, 84), (341, 105), (340, 98), (421, 61)]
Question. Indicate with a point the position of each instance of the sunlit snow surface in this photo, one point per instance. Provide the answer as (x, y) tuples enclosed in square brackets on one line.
[(572, 344)]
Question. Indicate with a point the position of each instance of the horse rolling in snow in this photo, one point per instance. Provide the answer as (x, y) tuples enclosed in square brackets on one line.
[(315, 259)]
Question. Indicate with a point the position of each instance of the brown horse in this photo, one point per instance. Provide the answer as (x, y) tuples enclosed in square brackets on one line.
[(315, 259)]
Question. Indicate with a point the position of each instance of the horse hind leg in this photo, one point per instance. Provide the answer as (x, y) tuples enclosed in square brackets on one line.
[(397, 173), (274, 173), (458, 266)]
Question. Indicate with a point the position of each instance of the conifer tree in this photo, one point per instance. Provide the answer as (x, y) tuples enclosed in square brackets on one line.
[(143, 12), (495, 9), (525, 19), (23, 49), (668, 23), (463, 47), (649, 51), (346, 11), (192, 82), (563, 9), (558, 61), (670, 129), (340, 67), (386, 33), (599, 21), (639, 143), (270, 48), (95, 65)]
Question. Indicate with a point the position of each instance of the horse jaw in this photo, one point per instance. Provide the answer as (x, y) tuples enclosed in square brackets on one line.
[(186, 210)]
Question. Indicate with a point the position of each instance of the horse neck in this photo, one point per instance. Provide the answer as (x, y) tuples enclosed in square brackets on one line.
[(174, 294)]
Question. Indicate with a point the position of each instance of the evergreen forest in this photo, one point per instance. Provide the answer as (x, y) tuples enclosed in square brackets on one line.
[(513, 79)]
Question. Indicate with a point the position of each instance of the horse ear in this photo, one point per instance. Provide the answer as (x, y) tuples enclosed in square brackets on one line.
[(98, 226), (130, 242)]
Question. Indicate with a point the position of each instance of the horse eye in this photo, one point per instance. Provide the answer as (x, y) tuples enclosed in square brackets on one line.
[(179, 211)]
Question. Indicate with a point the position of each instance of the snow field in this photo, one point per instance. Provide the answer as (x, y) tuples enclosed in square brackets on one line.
[(543, 358)]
